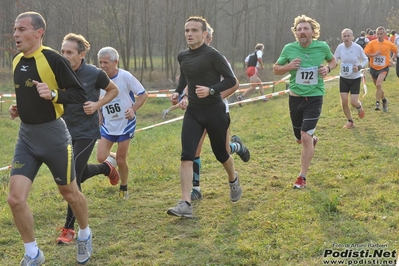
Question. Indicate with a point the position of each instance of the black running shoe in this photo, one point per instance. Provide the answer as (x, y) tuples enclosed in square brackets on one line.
[(243, 152)]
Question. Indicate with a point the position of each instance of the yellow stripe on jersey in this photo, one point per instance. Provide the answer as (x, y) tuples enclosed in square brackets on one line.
[(17, 58), (48, 77)]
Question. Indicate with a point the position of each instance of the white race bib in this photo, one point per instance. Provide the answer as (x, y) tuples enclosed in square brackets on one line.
[(113, 110), (379, 60), (307, 76), (346, 69)]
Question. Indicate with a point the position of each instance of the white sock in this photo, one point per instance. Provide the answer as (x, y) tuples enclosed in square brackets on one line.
[(84, 234), (31, 249), (197, 188)]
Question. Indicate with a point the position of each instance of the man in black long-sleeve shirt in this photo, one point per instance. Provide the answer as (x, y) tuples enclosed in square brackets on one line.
[(201, 67)]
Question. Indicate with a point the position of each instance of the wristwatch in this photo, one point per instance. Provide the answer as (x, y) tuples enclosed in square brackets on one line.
[(211, 91), (53, 94)]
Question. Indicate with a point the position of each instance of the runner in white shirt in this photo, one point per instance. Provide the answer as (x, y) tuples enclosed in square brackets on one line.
[(253, 62), (353, 59), (119, 115), (114, 122)]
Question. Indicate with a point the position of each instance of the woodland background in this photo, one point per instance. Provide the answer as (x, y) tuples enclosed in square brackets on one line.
[(150, 33)]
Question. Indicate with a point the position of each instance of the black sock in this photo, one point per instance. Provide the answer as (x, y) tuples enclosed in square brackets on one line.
[(123, 187)]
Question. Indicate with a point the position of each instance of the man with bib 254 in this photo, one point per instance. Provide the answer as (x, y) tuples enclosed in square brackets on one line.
[(378, 51)]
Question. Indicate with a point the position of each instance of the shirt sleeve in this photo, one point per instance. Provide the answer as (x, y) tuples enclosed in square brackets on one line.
[(363, 58), (182, 78), (102, 80), (283, 59), (224, 69), (135, 86), (329, 54), (70, 88), (337, 53)]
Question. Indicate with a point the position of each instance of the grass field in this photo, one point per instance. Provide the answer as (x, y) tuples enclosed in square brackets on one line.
[(351, 201)]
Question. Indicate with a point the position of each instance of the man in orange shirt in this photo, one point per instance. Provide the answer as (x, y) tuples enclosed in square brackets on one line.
[(379, 52)]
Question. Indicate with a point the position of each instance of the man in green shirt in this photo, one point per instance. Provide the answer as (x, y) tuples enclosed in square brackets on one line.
[(304, 59)]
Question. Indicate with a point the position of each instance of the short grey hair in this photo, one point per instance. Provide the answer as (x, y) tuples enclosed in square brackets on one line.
[(108, 51)]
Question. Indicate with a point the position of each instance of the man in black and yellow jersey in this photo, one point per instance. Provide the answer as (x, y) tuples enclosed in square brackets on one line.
[(44, 81)]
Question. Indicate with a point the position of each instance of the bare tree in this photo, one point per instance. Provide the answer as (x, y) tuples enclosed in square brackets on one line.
[(6, 39), (145, 31)]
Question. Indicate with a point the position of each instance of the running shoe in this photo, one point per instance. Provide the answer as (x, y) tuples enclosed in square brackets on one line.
[(240, 98), (164, 113), (377, 107), (243, 152), (235, 189), (85, 249), (123, 194), (349, 125), (67, 236), (113, 173), (385, 105), (182, 209), (300, 182), (196, 195), (28, 261), (360, 112)]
